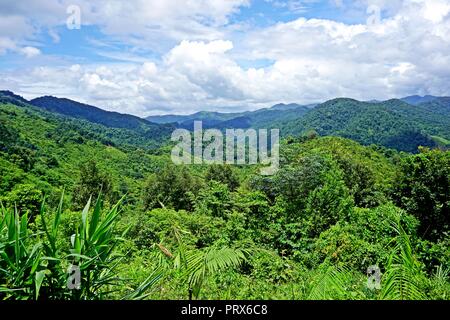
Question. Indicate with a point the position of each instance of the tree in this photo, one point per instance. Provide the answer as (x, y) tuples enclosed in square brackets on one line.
[(92, 181), (26, 198), (7, 137), (296, 181), (423, 189), (361, 181), (223, 174), (328, 204), (215, 200), (172, 187)]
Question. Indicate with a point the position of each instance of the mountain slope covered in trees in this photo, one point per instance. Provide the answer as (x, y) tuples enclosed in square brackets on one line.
[(46, 150), (108, 127), (262, 118), (393, 123), (334, 209), (403, 124), (90, 113)]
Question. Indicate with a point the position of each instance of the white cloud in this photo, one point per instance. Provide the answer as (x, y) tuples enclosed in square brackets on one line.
[(132, 20), (436, 10), (313, 59), (30, 52)]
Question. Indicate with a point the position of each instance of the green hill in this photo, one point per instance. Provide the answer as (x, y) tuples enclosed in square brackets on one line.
[(393, 123), (79, 110), (262, 118), (331, 211), (439, 106), (46, 150)]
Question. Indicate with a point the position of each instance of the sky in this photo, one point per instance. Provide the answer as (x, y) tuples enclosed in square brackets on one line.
[(149, 57)]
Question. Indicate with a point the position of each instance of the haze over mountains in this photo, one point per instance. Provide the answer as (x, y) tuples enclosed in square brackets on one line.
[(403, 124), (251, 119)]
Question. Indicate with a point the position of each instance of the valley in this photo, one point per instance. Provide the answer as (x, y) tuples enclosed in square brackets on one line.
[(360, 184)]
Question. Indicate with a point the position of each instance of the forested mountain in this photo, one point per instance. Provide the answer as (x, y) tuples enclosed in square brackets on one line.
[(146, 135), (45, 150), (262, 118), (10, 97), (393, 123), (416, 100), (311, 231), (113, 128), (79, 110), (206, 116), (440, 106), (425, 121), (290, 106)]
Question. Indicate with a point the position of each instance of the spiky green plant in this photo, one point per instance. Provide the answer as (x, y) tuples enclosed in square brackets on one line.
[(22, 265), (32, 265), (93, 251), (439, 284), (403, 275)]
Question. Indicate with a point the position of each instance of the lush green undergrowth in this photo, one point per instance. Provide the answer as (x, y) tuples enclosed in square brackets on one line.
[(334, 211)]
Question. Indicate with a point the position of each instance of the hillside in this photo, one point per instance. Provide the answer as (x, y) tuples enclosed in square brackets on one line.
[(262, 118), (423, 121), (79, 110), (416, 100), (47, 151), (393, 123), (114, 128), (10, 97), (440, 106), (329, 209)]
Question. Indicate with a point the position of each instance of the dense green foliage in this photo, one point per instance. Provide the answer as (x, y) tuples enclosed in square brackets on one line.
[(263, 118), (423, 188), (393, 123), (335, 209), (399, 124)]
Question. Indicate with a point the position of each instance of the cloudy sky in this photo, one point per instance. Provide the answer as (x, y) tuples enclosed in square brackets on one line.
[(148, 57)]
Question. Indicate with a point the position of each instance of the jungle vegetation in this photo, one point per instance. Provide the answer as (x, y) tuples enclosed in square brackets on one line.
[(105, 203)]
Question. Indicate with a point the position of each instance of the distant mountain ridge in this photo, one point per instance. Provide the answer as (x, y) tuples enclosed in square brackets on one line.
[(403, 124), (241, 120), (416, 100), (439, 105), (7, 96), (117, 127), (393, 123), (87, 112)]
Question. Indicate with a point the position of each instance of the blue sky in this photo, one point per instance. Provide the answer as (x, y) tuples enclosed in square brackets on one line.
[(179, 56), (84, 45)]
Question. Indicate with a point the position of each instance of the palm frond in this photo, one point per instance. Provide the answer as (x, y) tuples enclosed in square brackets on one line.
[(330, 284), (202, 263), (403, 273)]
